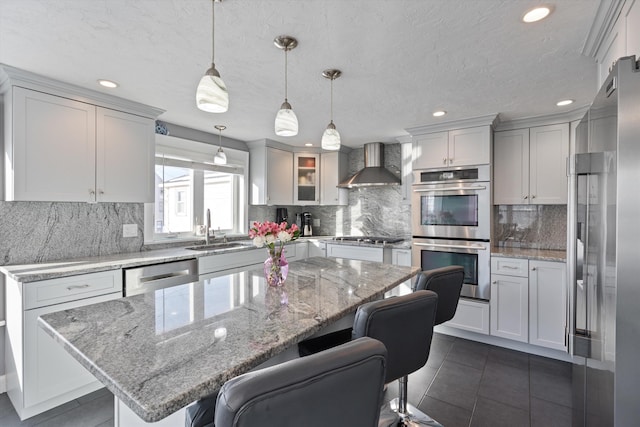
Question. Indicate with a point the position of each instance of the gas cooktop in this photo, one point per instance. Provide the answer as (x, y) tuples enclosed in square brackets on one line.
[(369, 239)]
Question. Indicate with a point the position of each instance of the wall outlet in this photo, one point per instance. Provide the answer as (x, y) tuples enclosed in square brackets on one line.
[(316, 222), (129, 230)]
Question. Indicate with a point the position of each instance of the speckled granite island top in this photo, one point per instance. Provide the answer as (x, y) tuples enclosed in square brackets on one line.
[(160, 351), (537, 254)]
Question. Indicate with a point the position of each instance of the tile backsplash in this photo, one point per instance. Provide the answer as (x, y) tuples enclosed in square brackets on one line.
[(49, 231), (530, 226)]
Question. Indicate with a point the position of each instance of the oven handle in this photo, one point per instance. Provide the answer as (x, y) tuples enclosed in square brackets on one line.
[(440, 245), (432, 190)]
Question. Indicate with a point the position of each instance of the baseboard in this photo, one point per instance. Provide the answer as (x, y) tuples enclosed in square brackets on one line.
[(3, 383), (505, 343)]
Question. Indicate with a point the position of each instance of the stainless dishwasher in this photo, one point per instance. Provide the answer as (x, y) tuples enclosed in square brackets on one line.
[(149, 278)]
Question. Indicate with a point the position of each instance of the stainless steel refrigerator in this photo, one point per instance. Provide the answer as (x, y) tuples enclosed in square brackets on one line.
[(604, 254)]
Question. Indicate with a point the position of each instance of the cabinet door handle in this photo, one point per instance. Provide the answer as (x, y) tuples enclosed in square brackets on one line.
[(100, 192), (450, 160), (533, 269), (495, 282), (525, 197), (533, 197), (72, 287), (92, 192), (444, 160)]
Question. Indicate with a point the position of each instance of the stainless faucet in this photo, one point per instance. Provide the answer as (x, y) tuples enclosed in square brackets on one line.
[(206, 232)]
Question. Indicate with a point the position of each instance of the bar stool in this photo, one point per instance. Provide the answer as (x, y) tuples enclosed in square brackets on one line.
[(447, 283), (342, 386), (405, 325)]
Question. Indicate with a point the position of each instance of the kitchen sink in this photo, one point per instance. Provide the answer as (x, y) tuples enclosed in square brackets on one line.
[(216, 246)]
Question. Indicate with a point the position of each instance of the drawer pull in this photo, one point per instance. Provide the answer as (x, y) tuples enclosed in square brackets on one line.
[(72, 287), (508, 267)]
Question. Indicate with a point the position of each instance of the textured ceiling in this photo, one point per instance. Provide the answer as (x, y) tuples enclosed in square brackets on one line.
[(401, 59)]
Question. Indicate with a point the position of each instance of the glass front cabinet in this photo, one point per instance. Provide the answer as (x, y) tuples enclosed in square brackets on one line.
[(306, 179)]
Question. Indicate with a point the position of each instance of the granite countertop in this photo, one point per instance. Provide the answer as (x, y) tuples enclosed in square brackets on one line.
[(63, 268), (535, 254), (157, 354)]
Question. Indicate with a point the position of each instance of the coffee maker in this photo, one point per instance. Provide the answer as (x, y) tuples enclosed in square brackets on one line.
[(281, 215), (307, 224)]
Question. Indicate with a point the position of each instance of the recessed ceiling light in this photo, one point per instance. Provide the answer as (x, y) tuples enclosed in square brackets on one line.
[(308, 144), (107, 83), (439, 113), (536, 14), (564, 102)]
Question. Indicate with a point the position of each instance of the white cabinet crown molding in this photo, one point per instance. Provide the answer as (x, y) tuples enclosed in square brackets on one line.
[(11, 76), (547, 119), (606, 17), (490, 119)]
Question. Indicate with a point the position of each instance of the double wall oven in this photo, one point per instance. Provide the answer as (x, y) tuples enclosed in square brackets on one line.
[(451, 223)]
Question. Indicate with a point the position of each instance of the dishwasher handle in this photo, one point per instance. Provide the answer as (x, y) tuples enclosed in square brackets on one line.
[(157, 276)]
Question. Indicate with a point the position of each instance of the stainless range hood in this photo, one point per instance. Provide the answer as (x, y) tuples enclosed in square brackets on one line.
[(374, 173)]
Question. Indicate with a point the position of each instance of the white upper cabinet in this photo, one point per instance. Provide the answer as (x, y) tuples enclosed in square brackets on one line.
[(460, 147), (530, 165), (431, 150), (52, 152), (306, 179), (471, 146), (70, 151), (271, 175), (280, 176), (69, 144), (334, 168), (125, 167), (511, 167)]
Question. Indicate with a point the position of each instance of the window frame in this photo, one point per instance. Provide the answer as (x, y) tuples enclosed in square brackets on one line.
[(198, 156)]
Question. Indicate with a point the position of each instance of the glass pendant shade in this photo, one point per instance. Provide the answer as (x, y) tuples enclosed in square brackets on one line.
[(212, 95), (331, 138), (286, 121), (220, 158)]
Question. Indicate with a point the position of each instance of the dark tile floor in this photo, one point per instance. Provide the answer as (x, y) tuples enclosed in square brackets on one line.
[(469, 384), (464, 384)]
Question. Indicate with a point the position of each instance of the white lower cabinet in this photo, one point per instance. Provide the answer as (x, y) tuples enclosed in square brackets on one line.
[(528, 301), (509, 307), (362, 253), (238, 261), (471, 315), (400, 257), (40, 373), (548, 304)]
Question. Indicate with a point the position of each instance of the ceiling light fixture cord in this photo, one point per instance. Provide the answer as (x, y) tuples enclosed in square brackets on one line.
[(220, 158), (285, 74), (213, 31), (331, 116)]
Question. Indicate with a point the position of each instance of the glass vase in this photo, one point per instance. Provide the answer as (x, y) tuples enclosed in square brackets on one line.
[(276, 268)]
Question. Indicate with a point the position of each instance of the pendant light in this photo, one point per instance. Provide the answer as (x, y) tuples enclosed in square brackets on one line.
[(331, 137), (286, 123), (212, 95), (220, 158)]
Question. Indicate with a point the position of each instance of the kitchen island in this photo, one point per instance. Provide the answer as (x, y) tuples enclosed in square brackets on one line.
[(160, 351)]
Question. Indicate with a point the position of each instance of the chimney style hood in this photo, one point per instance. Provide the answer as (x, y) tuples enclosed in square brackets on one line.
[(374, 173)]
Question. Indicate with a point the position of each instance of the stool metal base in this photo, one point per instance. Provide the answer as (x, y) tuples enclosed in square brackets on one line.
[(413, 416)]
